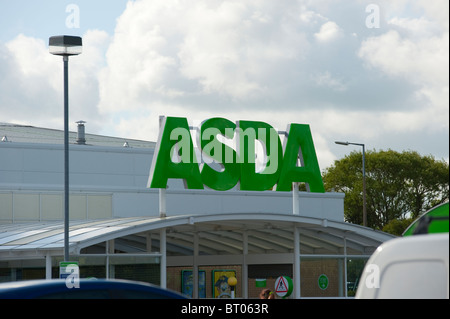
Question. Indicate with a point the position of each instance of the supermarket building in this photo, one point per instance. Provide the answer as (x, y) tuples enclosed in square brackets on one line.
[(117, 229)]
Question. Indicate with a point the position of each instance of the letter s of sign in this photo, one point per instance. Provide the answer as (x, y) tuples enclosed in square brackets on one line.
[(221, 153), (73, 279)]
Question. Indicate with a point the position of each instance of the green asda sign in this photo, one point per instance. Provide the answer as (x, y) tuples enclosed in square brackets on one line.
[(175, 156)]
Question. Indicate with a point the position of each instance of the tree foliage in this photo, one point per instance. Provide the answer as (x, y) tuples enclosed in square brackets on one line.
[(397, 226), (398, 185)]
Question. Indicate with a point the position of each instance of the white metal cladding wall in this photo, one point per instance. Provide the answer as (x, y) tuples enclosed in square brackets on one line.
[(144, 202), (42, 165), (41, 204), (35, 206), (123, 174)]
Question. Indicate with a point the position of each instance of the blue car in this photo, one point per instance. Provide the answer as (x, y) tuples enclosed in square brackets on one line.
[(88, 289)]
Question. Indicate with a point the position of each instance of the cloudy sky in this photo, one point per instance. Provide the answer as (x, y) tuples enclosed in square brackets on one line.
[(363, 71)]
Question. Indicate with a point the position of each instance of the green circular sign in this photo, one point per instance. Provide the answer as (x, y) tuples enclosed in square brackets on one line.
[(323, 281)]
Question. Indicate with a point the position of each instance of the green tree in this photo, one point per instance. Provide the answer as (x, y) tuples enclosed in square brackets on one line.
[(398, 185), (397, 226)]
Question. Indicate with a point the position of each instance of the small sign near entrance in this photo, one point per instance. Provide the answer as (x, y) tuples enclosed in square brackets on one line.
[(283, 286), (70, 271), (323, 281)]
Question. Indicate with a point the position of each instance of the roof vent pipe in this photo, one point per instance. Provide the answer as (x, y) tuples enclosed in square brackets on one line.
[(81, 138)]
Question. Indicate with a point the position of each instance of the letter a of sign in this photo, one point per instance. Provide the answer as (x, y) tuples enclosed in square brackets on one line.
[(174, 135), (300, 143)]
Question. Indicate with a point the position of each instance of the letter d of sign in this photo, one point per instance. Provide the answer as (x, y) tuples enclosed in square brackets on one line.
[(249, 132)]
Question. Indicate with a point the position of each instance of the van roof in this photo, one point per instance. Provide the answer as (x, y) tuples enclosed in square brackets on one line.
[(408, 267)]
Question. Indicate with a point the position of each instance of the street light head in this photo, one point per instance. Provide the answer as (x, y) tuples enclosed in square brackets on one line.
[(341, 143), (65, 45)]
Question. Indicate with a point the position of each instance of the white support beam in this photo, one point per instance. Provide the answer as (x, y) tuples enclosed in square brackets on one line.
[(163, 252), (295, 200), (296, 263), (48, 266), (162, 203), (195, 268), (244, 277)]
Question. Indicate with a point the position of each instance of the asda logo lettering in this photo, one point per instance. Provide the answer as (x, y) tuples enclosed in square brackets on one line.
[(229, 157)]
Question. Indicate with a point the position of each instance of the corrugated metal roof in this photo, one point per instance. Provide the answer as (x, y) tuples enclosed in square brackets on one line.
[(218, 234), (17, 133)]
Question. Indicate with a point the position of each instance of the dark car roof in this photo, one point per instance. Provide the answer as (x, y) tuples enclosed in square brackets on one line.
[(88, 289)]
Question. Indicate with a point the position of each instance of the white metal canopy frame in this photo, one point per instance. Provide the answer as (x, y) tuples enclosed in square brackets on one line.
[(240, 238), (267, 233)]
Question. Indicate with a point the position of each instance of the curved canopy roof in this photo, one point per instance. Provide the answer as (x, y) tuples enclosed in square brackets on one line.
[(218, 234)]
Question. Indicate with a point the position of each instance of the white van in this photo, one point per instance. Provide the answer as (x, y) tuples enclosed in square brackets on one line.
[(407, 267)]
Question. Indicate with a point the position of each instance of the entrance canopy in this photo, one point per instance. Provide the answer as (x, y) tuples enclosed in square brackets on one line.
[(218, 234)]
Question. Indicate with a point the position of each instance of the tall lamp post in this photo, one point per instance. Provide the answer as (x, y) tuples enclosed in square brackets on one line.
[(364, 177), (66, 46)]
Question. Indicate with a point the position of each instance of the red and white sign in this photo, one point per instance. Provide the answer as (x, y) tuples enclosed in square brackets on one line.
[(281, 286)]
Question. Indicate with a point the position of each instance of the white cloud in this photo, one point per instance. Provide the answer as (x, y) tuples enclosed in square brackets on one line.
[(32, 87), (328, 31), (295, 61), (417, 26), (424, 58), (27, 84), (167, 49), (437, 11), (415, 49), (26, 51), (237, 59), (420, 61), (326, 80)]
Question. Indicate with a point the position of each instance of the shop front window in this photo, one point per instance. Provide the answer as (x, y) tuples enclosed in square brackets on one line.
[(322, 277)]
